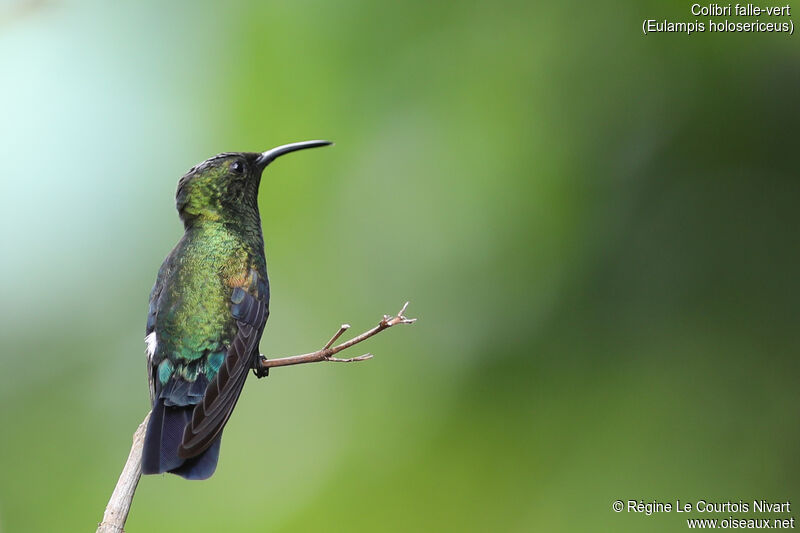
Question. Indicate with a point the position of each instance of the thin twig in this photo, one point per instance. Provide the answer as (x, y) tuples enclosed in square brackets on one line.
[(120, 503), (327, 352), (338, 334)]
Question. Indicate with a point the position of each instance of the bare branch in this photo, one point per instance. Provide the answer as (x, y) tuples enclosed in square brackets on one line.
[(120, 503), (328, 351), (351, 359)]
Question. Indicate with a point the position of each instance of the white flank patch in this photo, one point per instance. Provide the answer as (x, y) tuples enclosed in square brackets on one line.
[(151, 343)]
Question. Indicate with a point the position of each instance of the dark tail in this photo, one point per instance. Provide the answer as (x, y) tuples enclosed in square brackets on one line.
[(163, 437)]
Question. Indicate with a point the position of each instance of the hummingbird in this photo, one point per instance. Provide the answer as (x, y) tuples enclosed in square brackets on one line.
[(207, 312)]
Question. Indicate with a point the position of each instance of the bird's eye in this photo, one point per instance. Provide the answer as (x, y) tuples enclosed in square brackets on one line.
[(237, 167)]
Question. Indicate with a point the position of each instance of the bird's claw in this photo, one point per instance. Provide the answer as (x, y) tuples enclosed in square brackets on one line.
[(260, 370)]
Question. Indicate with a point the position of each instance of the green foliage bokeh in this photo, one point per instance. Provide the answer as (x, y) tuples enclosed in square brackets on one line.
[(596, 229)]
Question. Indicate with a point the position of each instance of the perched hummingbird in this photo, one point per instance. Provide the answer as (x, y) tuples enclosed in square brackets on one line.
[(207, 312)]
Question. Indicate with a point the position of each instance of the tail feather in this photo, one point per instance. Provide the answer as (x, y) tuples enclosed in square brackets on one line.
[(164, 435), (201, 466)]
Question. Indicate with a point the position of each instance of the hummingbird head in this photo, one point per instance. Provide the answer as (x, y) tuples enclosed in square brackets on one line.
[(225, 187)]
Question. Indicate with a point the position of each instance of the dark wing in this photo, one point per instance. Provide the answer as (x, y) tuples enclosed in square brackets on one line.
[(150, 328), (212, 413)]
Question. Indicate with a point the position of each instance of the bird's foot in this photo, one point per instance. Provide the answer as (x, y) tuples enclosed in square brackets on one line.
[(260, 370)]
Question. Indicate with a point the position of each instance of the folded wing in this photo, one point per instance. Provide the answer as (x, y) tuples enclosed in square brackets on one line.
[(210, 415)]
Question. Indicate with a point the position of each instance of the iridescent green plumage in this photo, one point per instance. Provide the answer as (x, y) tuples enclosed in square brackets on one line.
[(207, 312), (222, 248), (194, 296)]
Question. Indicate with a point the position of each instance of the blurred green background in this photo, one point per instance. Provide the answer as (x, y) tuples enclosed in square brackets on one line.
[(597, 230)]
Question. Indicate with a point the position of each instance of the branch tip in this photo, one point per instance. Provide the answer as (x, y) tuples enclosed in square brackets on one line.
[(389, 321), (342, 329), (351, 359)]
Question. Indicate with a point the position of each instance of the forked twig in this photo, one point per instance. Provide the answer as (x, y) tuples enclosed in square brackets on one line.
[(328, 351)]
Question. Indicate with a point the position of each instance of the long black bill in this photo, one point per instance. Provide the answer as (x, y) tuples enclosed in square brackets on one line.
[(270, 155)]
